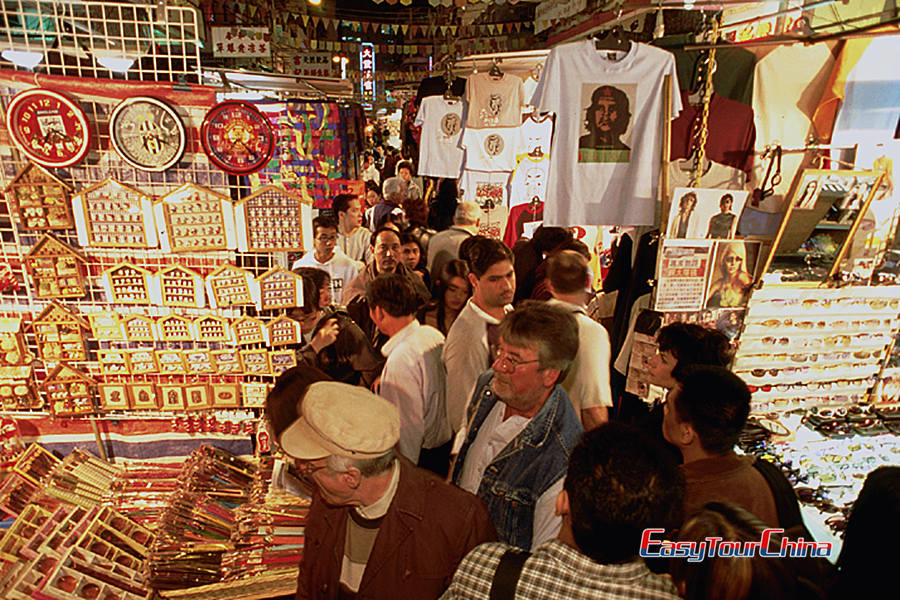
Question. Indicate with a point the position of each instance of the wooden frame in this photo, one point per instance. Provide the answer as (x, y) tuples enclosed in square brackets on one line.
[(225, 395), (55, 269), (106, 326), (126, 283), (283, 331), (253, 395), (171, 396), (196, 397), (139, 328), (59, 335), (113, 362), (282, 360), (113, 215), (212, 328), (69, 391), (143, 396), (171, 362), (179, 287), (199, 362), (113, 396), (195, 219), (255, 362), (270, 219), (228, 362), (279, 288), (175, 328), (142, 360), (229, 286), (13, 351), (41, 199), (18, 391), (248, 330)]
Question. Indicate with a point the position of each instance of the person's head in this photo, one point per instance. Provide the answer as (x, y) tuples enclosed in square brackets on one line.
[(608, 115), (410, 250), (405, 170), (538, 342), (322, 282), (568, 273), (308, 313), (452, 283), (385, 245), (373, 193), (875, 517), (731, 577), (734, 259), (325, 236), (344, 437), (491, 271), (706, 410), (391, 295), (619, 482), (368, 160), (687, 202), (416, 209), (546, 239), (346, 209), (467, 213), (394, 189), (680, 345), (725, 203), (283, 399)]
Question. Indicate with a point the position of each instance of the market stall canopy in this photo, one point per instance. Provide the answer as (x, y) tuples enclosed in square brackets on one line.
[(250, 81)]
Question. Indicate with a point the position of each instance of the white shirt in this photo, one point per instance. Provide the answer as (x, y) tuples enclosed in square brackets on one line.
[(529, 180), (341, 268), (494, 101), (441, 121), (413, 381), (356, 245), (495, 434), (466, 356), (587, 383), (535, 135), (614, 186), (489, 191), (491, 149)]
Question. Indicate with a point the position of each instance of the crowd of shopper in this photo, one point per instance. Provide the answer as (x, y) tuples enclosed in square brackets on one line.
[(459, 438)]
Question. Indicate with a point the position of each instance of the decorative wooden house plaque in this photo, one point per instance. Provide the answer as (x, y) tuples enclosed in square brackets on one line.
[(283, 332), (111, 214), (195, 219), (41, 199), (127, 284), (248, 330), (280, 288), (55, 269), (229, 286), (270, 219), (180, 286), (69, 391), (60, 335), (212, 328), (139, 329)]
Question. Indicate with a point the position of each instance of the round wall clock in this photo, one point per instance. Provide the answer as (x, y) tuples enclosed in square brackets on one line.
[(147, 133), (48, 127), (237, 137)]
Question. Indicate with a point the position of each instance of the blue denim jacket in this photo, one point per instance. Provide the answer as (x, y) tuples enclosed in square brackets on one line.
[(527, 467)]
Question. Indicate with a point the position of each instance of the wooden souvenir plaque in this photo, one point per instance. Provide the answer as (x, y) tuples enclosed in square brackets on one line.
[(41, 199), (69, 391), (225, 395), (113, 396), (248, 330), (283, 331), (171, 362), (143, 396), (171, 396), (227, 362), (255, 362), (199, 362), (211, 328), (142, 360), (197, 219), (282, 360), (174, 328), (180, 286), (139, 329), (113, 362), (272, 219), (60, 335), (127, 284), (280, 288), (13, 351), (111, 214), (230, 286), (55, 269)]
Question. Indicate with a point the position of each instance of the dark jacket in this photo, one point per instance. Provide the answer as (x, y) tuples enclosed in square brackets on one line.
[(428, 529)]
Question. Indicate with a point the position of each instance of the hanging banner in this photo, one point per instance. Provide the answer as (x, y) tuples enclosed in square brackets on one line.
[(311, 64), (555, 9), (240, 41), (367, 67)]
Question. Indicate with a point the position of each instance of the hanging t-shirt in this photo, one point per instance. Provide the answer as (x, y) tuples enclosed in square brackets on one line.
[(535, 137), (731, 132), (439, 152), (608, 134), (529, 85), (488, 191), (491, 149), (523, 220), (494, 101), (529, 180)]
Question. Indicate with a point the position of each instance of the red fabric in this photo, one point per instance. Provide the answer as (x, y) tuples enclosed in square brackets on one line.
[(518, 216), (732, 134)]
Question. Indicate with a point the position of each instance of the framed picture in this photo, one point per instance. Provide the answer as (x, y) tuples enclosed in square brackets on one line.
[(143, 396), (227, 362), (171, 396), (142, 360), (198, 362), (733, 274), (254, 394), (256, 362), (226, 395), (197, 396), (170, 361), (282, 360), (113, 362), (113, 396)]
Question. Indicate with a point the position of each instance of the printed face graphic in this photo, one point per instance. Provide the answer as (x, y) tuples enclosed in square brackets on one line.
[(605, 114), (450, 124), (493, 144), (534, 183), (495, 103)]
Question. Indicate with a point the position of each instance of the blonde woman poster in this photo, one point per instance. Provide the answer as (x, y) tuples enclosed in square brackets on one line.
[(732, 275)]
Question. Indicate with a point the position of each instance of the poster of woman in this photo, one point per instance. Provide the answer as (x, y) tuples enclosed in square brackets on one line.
[(698, 213), (732, 276)]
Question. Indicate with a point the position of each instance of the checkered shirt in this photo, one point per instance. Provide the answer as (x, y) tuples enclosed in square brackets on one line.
[(554, 571)]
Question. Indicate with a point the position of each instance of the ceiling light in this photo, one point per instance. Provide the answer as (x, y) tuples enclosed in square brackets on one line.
[(315, 2), (23, 58), (116, 64)]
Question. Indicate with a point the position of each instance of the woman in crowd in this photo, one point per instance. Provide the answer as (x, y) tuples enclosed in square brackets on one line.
[(373, 197), (451, 291), (322, 280), (733, 285)]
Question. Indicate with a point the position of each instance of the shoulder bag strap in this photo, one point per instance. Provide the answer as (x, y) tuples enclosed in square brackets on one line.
[(506, 577)]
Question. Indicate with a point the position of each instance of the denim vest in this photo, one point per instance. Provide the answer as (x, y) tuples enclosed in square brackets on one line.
[(527, 467)]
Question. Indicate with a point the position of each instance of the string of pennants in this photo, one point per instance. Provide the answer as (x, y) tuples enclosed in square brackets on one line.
[(287, 22), (468, 46)]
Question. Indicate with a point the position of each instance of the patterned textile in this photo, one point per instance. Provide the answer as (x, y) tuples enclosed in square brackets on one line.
[(556, 571)]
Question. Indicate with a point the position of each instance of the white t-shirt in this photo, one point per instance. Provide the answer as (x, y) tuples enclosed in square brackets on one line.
[(489, 191), (441, 121), (341, 267), (535, 135), (491, 149), (494, 102), (606, 174), (529, 180)]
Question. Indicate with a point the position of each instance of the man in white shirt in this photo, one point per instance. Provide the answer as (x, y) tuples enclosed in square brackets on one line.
[(413, 376), (324, 256), (587, 383), (444, 245), (353, 238), (467, 351), (522, 426)]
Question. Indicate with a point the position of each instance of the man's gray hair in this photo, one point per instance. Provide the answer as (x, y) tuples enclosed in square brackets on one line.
[(467, 213), (368, 467), (393, 186)]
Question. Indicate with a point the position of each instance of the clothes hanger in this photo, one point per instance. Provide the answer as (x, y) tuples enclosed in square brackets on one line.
[(449, 78), (613, 38), (495, 69)]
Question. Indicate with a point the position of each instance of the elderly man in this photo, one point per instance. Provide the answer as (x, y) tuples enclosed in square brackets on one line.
[(393, 193), (378, 526), (617, 485), (444, 245), (522, 426)]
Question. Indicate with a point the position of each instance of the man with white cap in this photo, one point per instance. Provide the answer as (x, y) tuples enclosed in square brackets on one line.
[(378, 526)]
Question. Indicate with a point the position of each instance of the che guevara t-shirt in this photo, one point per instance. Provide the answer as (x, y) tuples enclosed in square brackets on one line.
[(604, 169)]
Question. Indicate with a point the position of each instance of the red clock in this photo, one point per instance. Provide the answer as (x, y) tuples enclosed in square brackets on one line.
[(237, 137), (48, 127)]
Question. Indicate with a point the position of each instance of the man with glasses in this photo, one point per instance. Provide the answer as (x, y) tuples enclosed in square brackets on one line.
[(341, 267), (378, 527), (522, 426)]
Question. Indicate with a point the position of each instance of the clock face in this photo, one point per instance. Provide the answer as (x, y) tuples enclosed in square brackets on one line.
[(147, 133), (48, 128), (237, 137)]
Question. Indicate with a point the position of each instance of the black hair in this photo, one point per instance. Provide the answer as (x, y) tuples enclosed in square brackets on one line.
[(310, 294), (325, 222), (372, 186), (320, 277), (693, 344), (452, 268), (342, 203), (283, 400), (547, 239), (374, 237), (715, 402), (481, 253), (620, 482), (394, 293)]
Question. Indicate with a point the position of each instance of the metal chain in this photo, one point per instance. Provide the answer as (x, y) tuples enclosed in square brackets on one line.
[(703, 131)]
